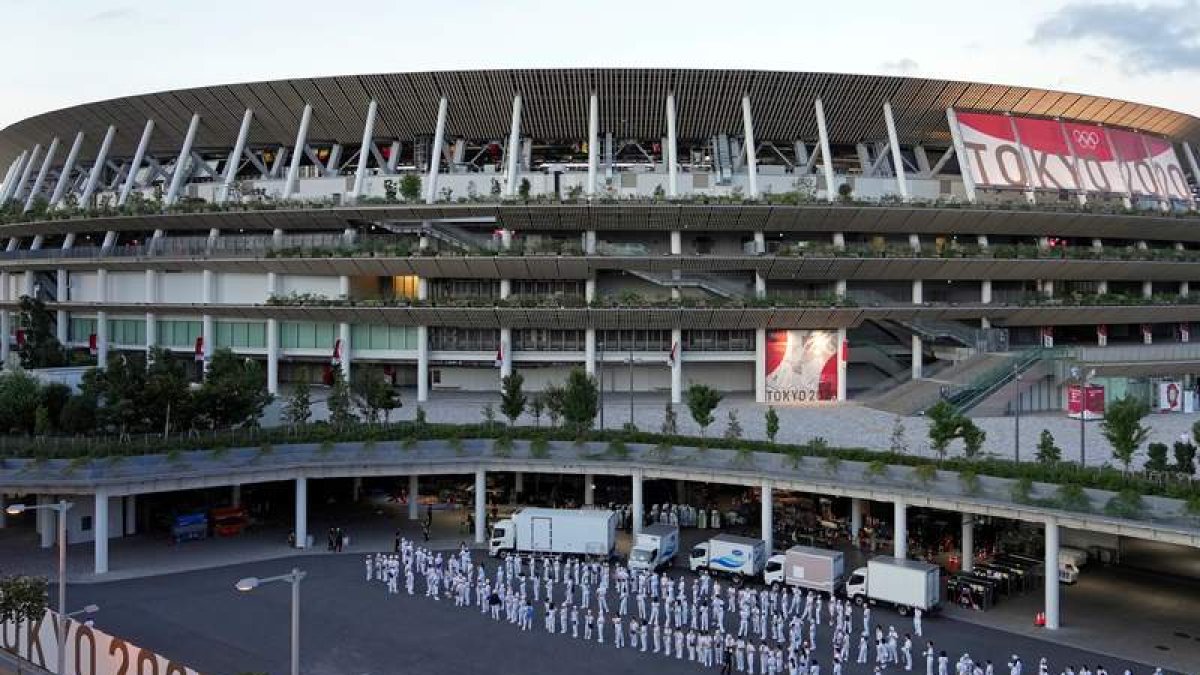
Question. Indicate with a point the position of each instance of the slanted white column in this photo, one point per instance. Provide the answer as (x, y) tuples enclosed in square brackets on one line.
[(900, 531), (422, 364), (98, 168), (301, 512), (18, 192), (1051, 564), (364, 150), (589, 489), (64, 178), (968, 542), (480, 505), (672, 149), (636, 503), (676, 366), (293, 174), (856, 513), (414, 511), (14, 177), (100, 529), (593, 143), (513, 154), (960, 151), (435, 159), (136, 164), (897, 157), (40, 179), (179, 174), (760, 365), (235, 156), (9, 179), (768, 516), (751, 149), (826, 153)]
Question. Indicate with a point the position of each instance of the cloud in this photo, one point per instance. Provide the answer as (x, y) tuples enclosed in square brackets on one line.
[(114, 14), (903, 66), (1157, 37)]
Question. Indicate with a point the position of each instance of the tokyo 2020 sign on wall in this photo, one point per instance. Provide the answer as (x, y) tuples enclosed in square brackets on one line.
[(802, 366)]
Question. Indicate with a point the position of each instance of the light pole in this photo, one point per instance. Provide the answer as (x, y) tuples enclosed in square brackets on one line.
[(1083, 386), (294, 577), (631, 389), (61, 509), (1017, 418)]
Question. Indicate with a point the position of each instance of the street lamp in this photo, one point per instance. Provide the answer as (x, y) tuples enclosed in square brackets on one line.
[(294, 577), (60, 508)]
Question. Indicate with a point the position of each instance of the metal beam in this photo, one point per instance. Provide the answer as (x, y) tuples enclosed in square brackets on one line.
[(136, 165)]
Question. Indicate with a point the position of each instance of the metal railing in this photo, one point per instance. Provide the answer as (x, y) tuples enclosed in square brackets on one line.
[(970, 395)]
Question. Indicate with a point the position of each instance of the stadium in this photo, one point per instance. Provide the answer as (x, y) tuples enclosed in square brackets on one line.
[(804, 237)]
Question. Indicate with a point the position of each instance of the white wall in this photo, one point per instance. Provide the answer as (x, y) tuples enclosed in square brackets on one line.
[(719, 376), (83, 287), (126, 287), (327, 286), (180, 287), (237, 288), (84, 506)]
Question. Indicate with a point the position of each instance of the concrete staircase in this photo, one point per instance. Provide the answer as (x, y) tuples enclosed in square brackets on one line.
[(914, 396)]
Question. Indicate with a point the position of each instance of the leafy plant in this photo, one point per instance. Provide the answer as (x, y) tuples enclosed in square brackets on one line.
[(1125, 504), (298, 409), (1072, 498), (580, 401), (832, 464), (539, 447), (772, 423), (670, 425), (1047, 451), (512, 397), (702, 400), (1123, 428), (899, 443), (503, 446), (617, 449), (925, 474), (1156, 457), (733, 428), (970, 482), (1021, 490)]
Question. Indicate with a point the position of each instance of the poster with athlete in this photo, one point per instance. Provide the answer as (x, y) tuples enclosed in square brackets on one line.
[(802, 366)]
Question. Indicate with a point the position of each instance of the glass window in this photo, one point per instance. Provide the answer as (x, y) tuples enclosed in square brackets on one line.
[(172, 333), (79, 330), (306, 335)]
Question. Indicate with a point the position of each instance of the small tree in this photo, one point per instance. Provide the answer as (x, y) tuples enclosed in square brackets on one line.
[(772, 420), (298, 409), (670, 425), (1123, 428), (1185, 458), (733, 428), (233, 392), (22, 598), (899, 443), (341, 411), (40, 348), (554, 403), (1047, 451), (973, 438), (410, 187), (375, 396), (523, 188), (580, 399), (702, 400), (943, 427), (1156, 457), (537, 406), (512, 397), (489, 415)]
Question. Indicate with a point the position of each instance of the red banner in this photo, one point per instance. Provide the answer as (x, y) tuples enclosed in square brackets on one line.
[(1090, 399)]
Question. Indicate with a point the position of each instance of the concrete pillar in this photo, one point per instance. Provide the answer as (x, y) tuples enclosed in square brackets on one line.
[(518, 485), (130, 505), (1052, 585), (47, 528), (293, 174), (1147, 289), (414, 511), (918, 357), (135, 164), (751, 150), (676, 365), (93, 180), (301, 512), (968, 542), (589, 351), (235, 156), (900, 533), (897, 158), (672, 153), (65, 173), (676, 242), (839, 241), (636, 502), (480, 505), (826, 154), (273, 356), (589, 489), (235, 496), (181, 164), (40, 179), (356, 489), (102, 319), (760, 365), (422, 364), (768, 516), (593, 144), (100, 528), (344, 336), (512, 150), (842, 349), (435, 161), (364, 150), (856, 509)]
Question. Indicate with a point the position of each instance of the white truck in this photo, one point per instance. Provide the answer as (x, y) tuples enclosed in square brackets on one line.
[(591, 532), (905, 584), (738, 556), (807, 567), (655, 547), (1069, 562)]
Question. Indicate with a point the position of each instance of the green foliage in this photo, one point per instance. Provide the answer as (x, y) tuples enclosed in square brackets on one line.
[(899, 443), (702, 400), (539, 447), (832, 464), (232, 393), (1072, 498), (375, 396), (1021, 490), (1123, 428), (298, 409), (925, 474), (947, 424), (970, 482), (772, 422), (512, 397), (40, 348), (817, 445), (488, 412), (555, 400), (537, 407), (503, 446), (1047, 451), (523, 188), (20, 397), (1185, 458), (617, 449), (733, 428), (579, 401), (670, 425), (410, 187), (341, 412), (875, 469), (1156, 457), (1125, 504), (22, 598), (1191, 507), (325, 447), (973, 438)]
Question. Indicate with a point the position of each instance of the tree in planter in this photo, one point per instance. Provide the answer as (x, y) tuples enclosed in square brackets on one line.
[(22, 598), (973, 438), (1047, 451), (772, 422), (944, 424), (40, 348), (579, 401), (410, 187), (523, 188), (554, 403), (1156, 457), (233, 393), (537, 406), (1123, 428), (702, 400), (899, 444), (733, 428), (341, 411), (374, 395), (167, 396), (1185, 458), (298, 409), (670, 425), (512, 397)]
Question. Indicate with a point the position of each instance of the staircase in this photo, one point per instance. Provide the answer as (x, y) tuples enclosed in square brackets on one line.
[(1010, 375), (723, 159), (713, 284), (914, 396), (441, 230)]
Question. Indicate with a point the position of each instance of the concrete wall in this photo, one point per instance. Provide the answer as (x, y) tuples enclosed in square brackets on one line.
[(240, 288)]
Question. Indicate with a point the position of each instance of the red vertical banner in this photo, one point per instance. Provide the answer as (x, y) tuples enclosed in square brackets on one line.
[(1185, 332), (1047, 336), (1147, 334), (199, 348), (92, 344), (1102, 335)]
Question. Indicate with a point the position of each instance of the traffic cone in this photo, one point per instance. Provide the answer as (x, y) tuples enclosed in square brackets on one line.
[(1039, 620)]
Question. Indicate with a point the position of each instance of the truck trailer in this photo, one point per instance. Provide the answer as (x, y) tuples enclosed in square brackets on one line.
[(904, 584), (582, 532), (807, 567), (655, 547), (737, 556)]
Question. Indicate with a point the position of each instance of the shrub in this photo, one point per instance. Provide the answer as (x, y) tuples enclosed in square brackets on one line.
[(1072, 498), (1021, 490), (970, 482), (925, 474), (1047, 451), (1156, 457), (1125, 504), (772, 422)]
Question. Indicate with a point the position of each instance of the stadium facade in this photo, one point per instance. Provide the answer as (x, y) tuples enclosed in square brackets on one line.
[(801, 236)]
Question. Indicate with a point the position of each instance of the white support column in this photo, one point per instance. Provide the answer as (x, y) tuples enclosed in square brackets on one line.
[(344, 336), (589, 489), (593, 143), (826, 153), (235, 495), (768, 516), (512, 151), (8, 183), (40, 179), (364, 150), (45, 522), (151, 294), (677, 366), (129, 506), (897, 157), (856, 513), (273, 356), (760, 365), (235, 156), (751, 149), (64, 178), (179, 174), (422, 364), (518, 486), (1052, 584), (138, 156), (960, 151), (636, 503), (62, 293), (672, 149), (293, 174), (14, 177), (414, 511), (100, 530), (900, 531), (918, 351), (589, 351), (5, 322), (435, 159), (98, 168), (18, 192), (102, 319), (968, 542), (206, 319), (301, 527), (480, 506), (1147, 289), (841, 365)]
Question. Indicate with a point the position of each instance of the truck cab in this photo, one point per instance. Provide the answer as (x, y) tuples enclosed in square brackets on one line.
[(856, 585), (502, 538), (773, 571)]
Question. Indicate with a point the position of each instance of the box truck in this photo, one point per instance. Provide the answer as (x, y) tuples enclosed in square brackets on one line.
[(904, 584), (738, 556), (591, 532), (655, 547), (807, 567)]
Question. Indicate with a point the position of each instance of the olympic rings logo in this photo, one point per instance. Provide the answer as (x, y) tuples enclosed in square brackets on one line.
[(1086, 140)]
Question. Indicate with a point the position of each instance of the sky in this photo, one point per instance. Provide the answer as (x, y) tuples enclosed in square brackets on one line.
[(65, 52)]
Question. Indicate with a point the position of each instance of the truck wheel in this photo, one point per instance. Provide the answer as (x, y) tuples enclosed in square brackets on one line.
[(902, 610), (858, 600)]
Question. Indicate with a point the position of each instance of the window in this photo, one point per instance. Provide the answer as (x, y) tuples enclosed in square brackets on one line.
[(85, 523), (79, 330), (383, 337), (127, 331), (172, 333), (306, 335), (243, 334)]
